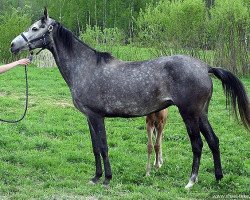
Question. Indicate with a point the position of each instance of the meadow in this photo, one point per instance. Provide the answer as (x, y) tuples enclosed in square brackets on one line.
[(49, 154)]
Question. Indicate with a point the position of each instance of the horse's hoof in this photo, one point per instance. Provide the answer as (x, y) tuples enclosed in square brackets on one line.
[(191, 184), (158, 165), (218, 177), (147, 174), (106, 186), (94, 180), (106, 182)]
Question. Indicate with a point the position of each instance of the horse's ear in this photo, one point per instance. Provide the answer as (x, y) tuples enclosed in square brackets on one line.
[(46, 13)]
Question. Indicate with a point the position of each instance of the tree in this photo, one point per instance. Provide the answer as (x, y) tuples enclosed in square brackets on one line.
[(229, 26), (209, 3)]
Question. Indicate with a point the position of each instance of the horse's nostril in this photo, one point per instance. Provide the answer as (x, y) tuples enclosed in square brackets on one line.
[(13, 48)]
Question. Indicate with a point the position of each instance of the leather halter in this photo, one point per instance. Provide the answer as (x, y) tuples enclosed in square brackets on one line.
[(43, 38)]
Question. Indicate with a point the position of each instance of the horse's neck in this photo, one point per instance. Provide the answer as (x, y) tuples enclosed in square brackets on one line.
[(70, 62)]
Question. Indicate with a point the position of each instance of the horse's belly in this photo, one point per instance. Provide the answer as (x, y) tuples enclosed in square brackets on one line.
[(135, 108)]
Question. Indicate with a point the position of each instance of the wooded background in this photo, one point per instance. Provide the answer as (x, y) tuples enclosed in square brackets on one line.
[(216, 31)]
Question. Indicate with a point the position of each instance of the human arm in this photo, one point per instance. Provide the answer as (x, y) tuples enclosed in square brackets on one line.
[(9, 66)]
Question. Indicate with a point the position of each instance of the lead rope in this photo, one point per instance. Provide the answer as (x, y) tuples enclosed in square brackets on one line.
[(27, 95)]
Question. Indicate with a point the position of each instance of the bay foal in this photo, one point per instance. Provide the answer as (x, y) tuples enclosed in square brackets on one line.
[(155, 124)]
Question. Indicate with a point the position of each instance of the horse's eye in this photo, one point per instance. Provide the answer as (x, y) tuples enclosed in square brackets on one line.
[(34, 29)]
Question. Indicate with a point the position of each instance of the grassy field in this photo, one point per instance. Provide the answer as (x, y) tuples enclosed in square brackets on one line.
[(49, 155)]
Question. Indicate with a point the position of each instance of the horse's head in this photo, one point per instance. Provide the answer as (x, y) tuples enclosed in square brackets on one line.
[(38, 35)]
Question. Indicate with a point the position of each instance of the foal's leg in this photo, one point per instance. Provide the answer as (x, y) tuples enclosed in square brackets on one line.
[(97, 124), (150, 120), (161, 120), (158, 143), (213, 143), (192, 125)]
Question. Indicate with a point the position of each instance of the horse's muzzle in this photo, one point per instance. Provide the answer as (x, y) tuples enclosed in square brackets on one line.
[(14, 49)]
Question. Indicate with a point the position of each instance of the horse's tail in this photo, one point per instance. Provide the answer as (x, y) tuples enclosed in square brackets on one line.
[(235, 93)]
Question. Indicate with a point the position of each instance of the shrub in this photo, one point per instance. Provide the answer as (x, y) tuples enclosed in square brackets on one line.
[(94, 36), (186, 26), (11, 24), (229, 30), (174, 23)]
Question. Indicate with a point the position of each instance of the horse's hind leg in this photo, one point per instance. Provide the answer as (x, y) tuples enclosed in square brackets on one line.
[(160, 122), (150, 119), (213, 143), (192, 125)]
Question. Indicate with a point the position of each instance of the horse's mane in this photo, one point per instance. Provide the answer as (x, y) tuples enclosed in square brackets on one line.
[(67, 37)]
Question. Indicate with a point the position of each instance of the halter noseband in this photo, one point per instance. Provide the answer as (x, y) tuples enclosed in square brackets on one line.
[(44, 38)]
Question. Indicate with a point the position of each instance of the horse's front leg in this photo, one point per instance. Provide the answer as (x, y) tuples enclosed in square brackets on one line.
[(96, 151), (100, 139)]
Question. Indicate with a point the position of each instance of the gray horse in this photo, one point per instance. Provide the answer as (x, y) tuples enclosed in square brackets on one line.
[(103, 86)]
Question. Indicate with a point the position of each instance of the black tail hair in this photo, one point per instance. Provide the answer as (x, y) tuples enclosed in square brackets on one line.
[(235, 93)]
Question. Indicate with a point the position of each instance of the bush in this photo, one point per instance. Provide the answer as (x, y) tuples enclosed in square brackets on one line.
[(94, 36), (174, 23), (188, 27), (229, 30), (11, 24)]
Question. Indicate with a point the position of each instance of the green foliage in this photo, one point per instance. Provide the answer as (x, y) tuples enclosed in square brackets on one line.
[(187, 26), (92, 35), (113, 36), (11, 24), (109, 36), (174, 23), (76, 14), (229, 26)]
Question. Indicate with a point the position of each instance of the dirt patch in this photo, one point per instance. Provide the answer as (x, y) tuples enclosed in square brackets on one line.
[(72, 197), (2, 94), (64, 104)]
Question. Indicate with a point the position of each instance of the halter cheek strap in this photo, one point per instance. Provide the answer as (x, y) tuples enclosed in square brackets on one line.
[(26, 40), (44, 38)]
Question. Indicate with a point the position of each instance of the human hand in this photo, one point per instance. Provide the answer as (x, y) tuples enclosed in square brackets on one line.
[(24, 61)]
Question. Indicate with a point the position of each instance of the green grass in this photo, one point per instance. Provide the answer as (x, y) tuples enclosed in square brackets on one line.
[(49, 155)]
